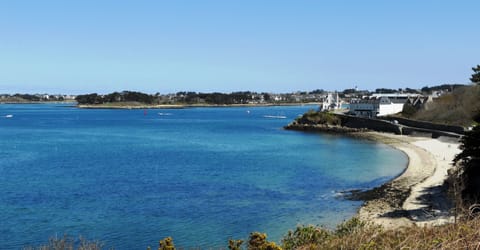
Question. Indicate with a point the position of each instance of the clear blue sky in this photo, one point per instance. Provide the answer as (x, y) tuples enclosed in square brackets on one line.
[(260, 45)]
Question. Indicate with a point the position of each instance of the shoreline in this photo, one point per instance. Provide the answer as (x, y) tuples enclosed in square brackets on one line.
[(181, 106), (416, 196)]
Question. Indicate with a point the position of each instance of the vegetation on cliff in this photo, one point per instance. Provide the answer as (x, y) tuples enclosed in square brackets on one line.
[(457, 107)]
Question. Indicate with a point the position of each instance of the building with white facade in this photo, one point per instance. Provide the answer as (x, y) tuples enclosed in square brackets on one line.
[(331, 102), (379, 104)]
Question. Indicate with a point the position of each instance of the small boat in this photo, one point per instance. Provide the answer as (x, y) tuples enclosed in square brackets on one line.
[(8, 116), (164, 114), (275, 116)]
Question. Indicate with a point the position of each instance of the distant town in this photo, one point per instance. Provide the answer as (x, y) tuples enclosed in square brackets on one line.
[(364, 103)]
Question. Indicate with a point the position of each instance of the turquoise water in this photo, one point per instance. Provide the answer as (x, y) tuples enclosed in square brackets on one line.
[(200, 175)]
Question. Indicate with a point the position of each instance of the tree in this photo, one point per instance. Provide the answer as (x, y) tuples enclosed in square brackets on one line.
[(469, 159), (476, 75)]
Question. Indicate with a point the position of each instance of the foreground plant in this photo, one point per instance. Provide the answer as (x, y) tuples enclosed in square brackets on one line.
[(68, 243)]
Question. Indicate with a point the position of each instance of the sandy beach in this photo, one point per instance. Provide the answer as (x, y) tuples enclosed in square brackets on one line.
[(416, 196)]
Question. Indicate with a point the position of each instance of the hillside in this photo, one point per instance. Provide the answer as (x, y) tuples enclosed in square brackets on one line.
[(456, 108)]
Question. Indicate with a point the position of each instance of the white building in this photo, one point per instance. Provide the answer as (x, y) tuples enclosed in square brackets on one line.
[(379, 104), (331, 102)]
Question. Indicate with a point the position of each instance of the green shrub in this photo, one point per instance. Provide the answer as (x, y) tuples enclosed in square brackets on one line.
[(305, 235), (315, 117), (349, 226), (258, 241)]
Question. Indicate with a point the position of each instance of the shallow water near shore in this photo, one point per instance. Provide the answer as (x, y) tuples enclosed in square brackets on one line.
[(200, 175)]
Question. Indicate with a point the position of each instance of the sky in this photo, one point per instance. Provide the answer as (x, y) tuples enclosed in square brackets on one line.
[(75, 47)]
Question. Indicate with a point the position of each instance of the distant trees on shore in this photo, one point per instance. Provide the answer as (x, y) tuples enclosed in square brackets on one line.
[(179, 97), (183, 97), (29, 98)]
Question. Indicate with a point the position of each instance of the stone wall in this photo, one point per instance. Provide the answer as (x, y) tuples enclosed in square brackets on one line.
[(427, 125), (372, 124), (351, 124)]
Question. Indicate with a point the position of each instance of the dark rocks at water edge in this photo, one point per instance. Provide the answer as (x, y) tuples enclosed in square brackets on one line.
[(323, 128)]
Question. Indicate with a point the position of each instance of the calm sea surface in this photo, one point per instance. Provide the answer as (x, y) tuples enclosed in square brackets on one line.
[(200, 175)]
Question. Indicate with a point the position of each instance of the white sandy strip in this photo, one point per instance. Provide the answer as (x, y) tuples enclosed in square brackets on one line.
[(435, 210), (429, 160)]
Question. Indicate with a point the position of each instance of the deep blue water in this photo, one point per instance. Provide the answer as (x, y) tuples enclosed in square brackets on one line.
[(200, 175)]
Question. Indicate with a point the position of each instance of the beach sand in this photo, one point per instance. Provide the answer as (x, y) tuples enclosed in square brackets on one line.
[(416, 196)]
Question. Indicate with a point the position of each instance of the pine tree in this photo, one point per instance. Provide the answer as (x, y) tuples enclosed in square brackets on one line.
[(476, 75), (469, 159)]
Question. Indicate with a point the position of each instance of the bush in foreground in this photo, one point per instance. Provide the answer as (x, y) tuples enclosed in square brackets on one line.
[(352, 234), (68, 243)]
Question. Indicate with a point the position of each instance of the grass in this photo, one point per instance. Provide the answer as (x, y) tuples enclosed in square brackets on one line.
[(352, 234), (357, 235), (68, 243), (314, 117), (456, 108)]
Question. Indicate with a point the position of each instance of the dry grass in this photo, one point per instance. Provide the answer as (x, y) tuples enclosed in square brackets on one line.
[(68, 243), (456, 108), (352, 234), (462, 235)]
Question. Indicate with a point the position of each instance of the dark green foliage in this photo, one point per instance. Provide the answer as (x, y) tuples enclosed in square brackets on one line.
[(28, 97), (476, 75), (349, 226), (408, 110), (385, 91), (348, 91), (312, 237), (314, 117), (89, 99), (469, 159), (305, 235), (409, 90), (125, 96), (447, 87), (317, 91)]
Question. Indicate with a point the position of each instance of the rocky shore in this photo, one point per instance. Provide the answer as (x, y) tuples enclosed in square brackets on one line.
[(325, 128)]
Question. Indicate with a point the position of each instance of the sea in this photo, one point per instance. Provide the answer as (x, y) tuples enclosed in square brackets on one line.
[(130, 178)]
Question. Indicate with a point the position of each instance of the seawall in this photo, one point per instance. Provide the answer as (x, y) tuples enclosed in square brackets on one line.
[(426, 125), (349, 124)]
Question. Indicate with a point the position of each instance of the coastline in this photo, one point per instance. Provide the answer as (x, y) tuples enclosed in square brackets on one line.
[(181, 106), (415, 197)]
